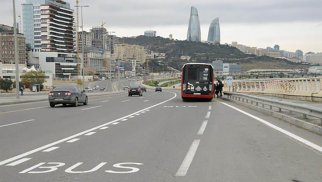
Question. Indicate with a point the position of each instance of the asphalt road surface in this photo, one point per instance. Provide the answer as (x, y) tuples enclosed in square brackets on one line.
[(154, 138)]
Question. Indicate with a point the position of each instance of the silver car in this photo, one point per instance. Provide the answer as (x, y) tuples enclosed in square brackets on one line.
[(67, 95)]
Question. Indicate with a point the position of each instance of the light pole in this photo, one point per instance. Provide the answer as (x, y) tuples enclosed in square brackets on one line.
[(16, 48), (83, 39)]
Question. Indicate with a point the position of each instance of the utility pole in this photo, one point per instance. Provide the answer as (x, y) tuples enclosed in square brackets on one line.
[(83, 40), (16, 48)]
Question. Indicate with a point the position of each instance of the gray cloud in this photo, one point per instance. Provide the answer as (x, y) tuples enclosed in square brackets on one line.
[(176, 12)]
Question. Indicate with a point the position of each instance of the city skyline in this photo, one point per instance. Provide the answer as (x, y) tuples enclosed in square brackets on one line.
[(292, 24)]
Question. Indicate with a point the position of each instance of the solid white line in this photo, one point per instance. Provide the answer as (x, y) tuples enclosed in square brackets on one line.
[(297, 138), (88, 108), (182, 171), (90, 133), (73, 140), (125, 100), (28, 109), (18, 162), (78, 134), (104, 128), (209, 108), (50, 149), (20, 122), (208, 115), (203, 127)]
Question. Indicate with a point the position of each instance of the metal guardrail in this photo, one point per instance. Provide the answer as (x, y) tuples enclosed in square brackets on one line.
[(272, 104)]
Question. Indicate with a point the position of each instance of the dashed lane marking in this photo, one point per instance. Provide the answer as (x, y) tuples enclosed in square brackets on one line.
[(125, 100), (20, 122), (209, 108), (88, 108), (90, 133), (208, 115), (124, 119), (182, 171), (28, 109), (203, 127), (146, 101), (17, 157), (104, 128), (115, 123), (51, 149), (73, 140)]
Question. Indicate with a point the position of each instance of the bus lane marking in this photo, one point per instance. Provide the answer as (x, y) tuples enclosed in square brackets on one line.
[(17, 157)]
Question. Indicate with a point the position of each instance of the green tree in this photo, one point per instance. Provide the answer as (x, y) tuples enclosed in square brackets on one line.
[(5, 84), (33, 77)]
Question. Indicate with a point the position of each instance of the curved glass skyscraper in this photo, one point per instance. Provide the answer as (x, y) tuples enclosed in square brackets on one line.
[(194, 33), (214, 32)]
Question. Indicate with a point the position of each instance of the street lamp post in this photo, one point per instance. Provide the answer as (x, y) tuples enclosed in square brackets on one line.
[(83, 39), (16, 48)]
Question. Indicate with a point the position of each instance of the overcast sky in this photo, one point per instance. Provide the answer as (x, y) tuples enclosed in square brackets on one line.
[(292, 24)]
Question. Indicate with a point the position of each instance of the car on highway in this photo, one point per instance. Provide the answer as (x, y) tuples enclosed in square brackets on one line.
[(67, 95), (134, 89), (158, 89)]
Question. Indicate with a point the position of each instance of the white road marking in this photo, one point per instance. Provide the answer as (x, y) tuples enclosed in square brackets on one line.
[(192, 106), (105, 101), (20, 122), (28, 109), (209, 108), (88, 108), (138, 114), (73, 140), (50, 149), (168, 106), (79, 134), (131, 116), (295, 137), (208, 115), (146, 101), (18, 162), (124, 119), (203, 127), (125, 100), (182, 171), (115, 123), (90, 133), (104, 128)]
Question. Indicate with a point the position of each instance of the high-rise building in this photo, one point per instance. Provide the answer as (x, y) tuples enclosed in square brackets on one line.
[(214, 32), (48, 25), (7, 46), (194, 33)]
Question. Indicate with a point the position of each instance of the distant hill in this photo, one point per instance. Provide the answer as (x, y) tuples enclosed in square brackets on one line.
[(204, 52)]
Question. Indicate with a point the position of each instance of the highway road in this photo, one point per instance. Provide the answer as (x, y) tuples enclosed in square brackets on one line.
[(154, 138)]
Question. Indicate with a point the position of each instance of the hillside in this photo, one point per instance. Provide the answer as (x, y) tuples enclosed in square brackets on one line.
[(203, 52)]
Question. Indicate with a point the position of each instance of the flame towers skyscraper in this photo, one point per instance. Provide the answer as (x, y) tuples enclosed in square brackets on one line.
[(194, 33), (214, 32)]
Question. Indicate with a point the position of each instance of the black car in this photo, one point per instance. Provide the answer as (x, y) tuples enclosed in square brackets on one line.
[(67, 95), (158, 89), (135, 89)]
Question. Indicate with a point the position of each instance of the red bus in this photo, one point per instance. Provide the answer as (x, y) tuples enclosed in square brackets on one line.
[(197, 81)]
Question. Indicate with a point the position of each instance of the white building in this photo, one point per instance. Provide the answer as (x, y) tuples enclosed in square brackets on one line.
[(313, 58)]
